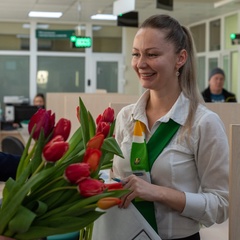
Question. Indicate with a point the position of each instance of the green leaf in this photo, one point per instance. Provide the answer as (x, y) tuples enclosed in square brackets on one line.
[(21, 221), (92, 125), (68, 225), (84, 122), (110, 145)]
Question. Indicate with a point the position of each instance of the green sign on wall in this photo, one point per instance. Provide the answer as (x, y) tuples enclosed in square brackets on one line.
[(54, 34)]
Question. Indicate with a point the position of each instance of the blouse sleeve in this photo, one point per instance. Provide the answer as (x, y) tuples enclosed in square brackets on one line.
[(211, 152)]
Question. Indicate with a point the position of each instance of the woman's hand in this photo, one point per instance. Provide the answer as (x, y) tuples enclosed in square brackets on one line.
[(149, 192), (139, 188)]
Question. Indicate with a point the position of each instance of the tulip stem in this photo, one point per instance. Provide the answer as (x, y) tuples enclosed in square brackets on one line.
[(41, 165), (50, 183), (58, 189)]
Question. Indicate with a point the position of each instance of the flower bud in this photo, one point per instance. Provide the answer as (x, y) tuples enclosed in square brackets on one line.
[(99, 119), (43, 119), (78, 113), (63, 128), (77, 172), (90, 187), (55, 149), (113, 186), (103, 127), (108, 115), (92, 157), (108, 202), (96, 141)]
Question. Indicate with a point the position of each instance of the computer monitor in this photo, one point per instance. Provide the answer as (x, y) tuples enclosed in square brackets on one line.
[(24, 112), (129, 19), (165, 4)]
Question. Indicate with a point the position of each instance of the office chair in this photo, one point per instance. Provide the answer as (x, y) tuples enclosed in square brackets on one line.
[(12, 145)]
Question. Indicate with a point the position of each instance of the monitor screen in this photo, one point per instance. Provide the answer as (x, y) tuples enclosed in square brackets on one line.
[(24, 112), (165, 4), (129, 19)]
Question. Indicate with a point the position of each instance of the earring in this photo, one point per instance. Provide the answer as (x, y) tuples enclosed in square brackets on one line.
[(177, 73)]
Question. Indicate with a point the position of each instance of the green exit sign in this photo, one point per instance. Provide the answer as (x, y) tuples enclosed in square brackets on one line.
[(81, 42)]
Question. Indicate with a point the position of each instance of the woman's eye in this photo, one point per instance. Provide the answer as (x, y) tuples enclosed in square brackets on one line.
[(152, 55), (135, 54)]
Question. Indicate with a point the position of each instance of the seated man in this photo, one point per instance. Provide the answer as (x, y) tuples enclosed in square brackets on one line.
[(8, 166), (215, 91)]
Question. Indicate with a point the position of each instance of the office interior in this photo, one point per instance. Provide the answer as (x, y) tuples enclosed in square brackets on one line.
[(31, 63)]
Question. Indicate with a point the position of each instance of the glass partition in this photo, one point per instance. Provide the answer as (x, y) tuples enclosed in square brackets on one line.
[(215, 35), (60, 74), (107, 39), (199, 33), (14, 76), (14, 36)]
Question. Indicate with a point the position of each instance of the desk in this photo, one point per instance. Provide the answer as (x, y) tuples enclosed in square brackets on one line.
[(20, 133)]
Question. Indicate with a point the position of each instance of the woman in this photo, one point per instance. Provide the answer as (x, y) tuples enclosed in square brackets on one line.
[(188, 180)]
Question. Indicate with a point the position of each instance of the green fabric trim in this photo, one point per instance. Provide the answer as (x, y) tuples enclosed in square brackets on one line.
[(139, 157), (160, 139), (148, 153)]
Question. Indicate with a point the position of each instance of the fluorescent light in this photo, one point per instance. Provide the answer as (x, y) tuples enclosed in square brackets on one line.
[(40, 26), (221, 3), (104, 17), (45, 14)]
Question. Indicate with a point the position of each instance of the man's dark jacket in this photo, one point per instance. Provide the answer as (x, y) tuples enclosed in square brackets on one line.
[(229, 97), (8, 166)]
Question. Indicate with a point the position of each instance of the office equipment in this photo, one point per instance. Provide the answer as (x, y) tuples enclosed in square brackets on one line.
[(165, 4), (24, 112), (129, 19)]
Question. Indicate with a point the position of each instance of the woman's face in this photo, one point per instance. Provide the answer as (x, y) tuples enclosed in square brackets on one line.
[(38, 101), (155, 61)]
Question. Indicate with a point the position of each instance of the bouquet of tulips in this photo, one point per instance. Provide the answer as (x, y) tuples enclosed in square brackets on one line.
[(58, 187)]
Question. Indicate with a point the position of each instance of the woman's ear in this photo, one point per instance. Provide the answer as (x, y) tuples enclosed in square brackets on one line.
[(181, 59)]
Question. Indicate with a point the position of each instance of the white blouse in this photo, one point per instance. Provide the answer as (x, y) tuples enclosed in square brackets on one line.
[(199, 169)]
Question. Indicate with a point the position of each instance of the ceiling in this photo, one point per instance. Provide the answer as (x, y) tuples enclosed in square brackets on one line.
[(186, 11)]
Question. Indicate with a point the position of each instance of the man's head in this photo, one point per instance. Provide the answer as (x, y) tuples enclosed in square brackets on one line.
[(216, 80)]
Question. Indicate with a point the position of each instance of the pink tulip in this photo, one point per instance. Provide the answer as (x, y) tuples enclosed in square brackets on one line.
[(55, 149), (63, 128), (90, 187), (77, 172), (43, 119)]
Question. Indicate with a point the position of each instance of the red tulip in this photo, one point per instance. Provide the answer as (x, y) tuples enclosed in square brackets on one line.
[(108, 115), (103, 127), (92, 157), (78, 113), (99, 119), (43, 119), (113, 186), (63, 128), (55, 149), (108, 202), (77, 172), (96, 141), (90, 187)]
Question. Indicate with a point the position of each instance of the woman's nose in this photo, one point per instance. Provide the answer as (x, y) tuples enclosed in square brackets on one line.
[(142, 62)]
